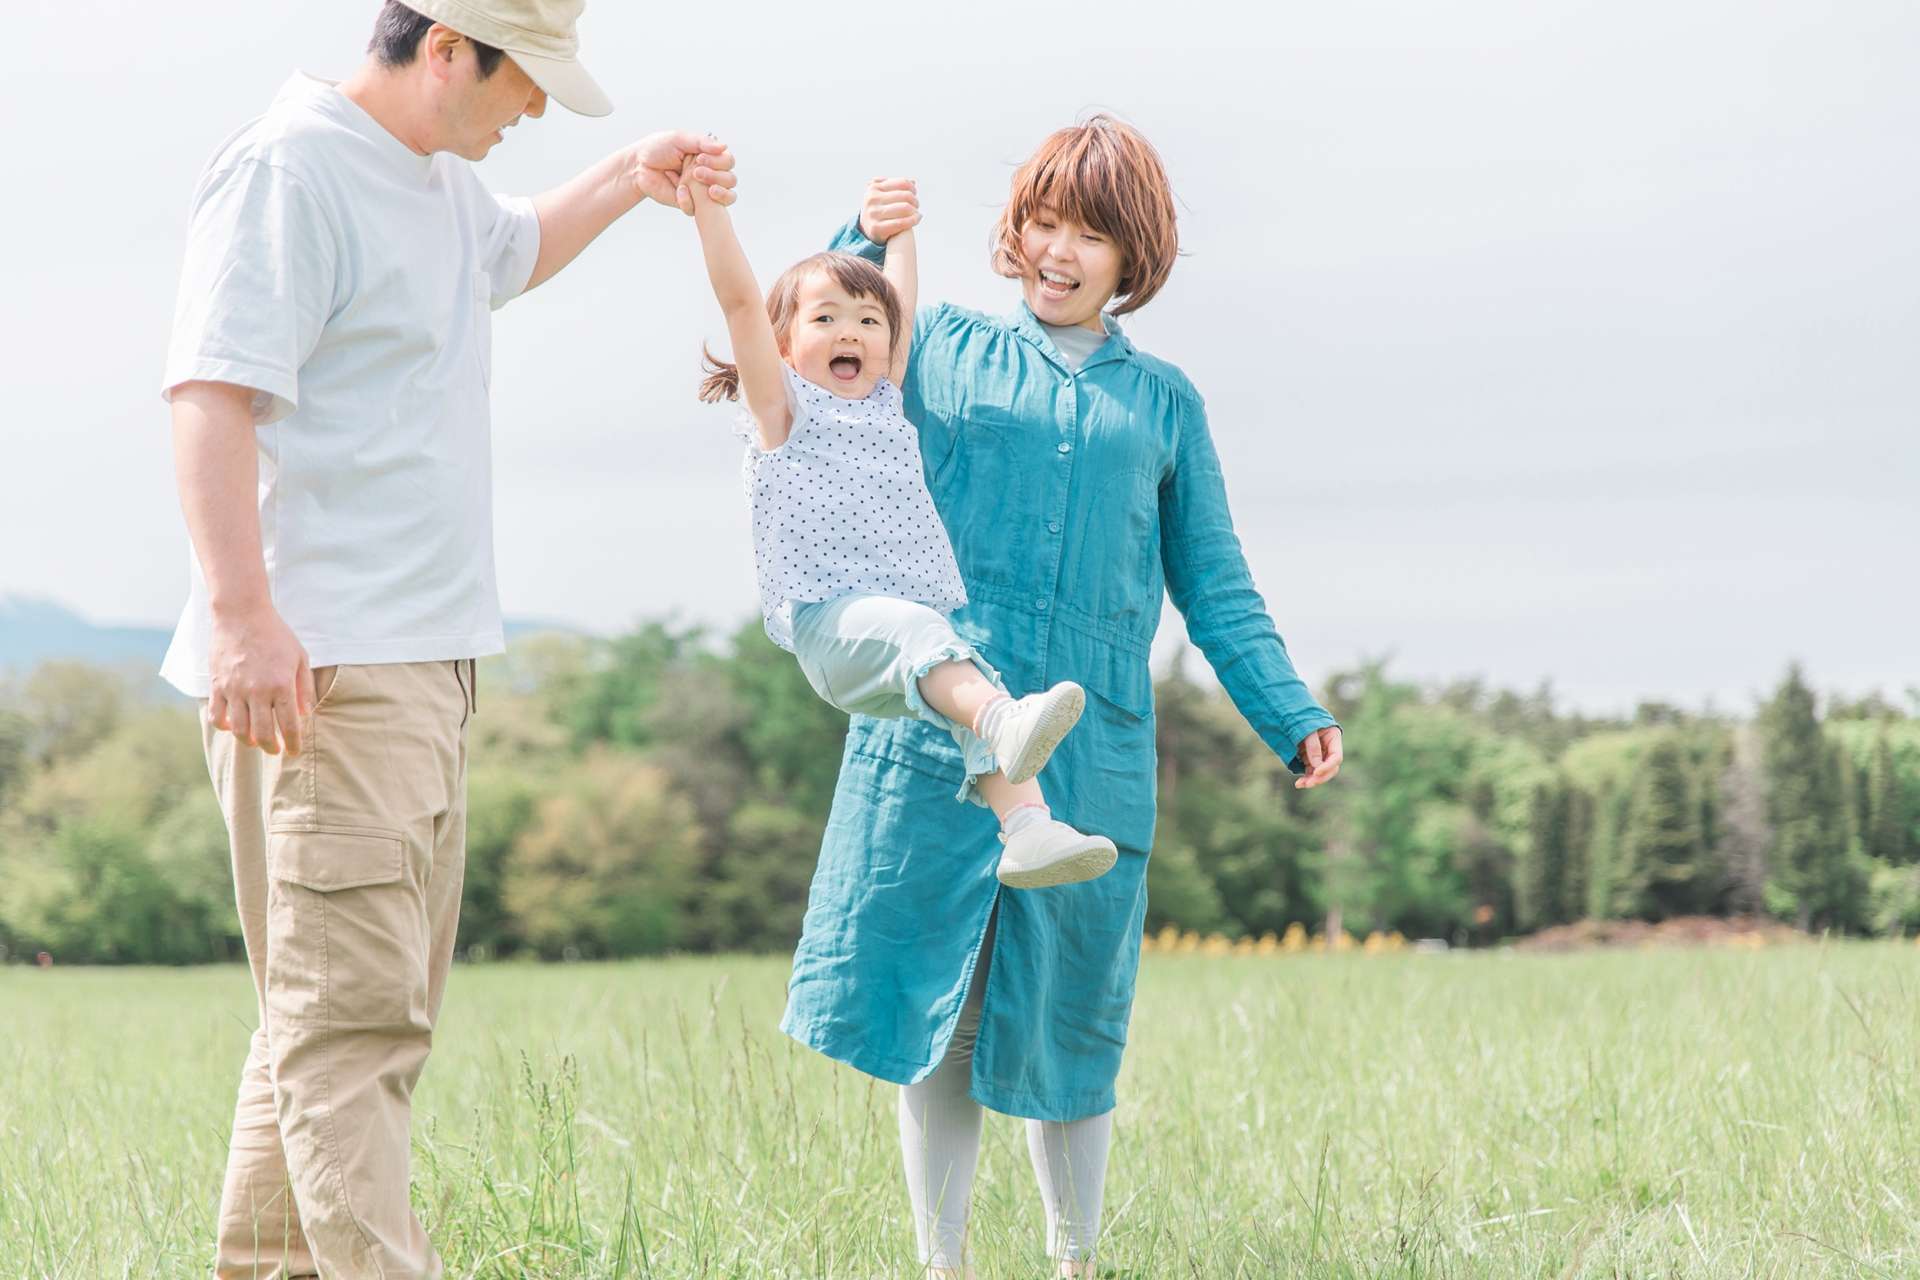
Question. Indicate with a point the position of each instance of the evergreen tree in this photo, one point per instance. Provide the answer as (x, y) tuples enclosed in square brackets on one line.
[(1713, 876), (1543, 883), (1580, 824), (1806, 805), (1661, 846), (1850, 781), (1705, 771), (1604, 859), (1888, 834)]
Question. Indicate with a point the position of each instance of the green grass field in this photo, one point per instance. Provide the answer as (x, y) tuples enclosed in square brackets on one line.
[(1626, 1114)]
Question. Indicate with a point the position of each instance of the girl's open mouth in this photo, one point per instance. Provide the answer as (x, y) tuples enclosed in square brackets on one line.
[(845, 368)]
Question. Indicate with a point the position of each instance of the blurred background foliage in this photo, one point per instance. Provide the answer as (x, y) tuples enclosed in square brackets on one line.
[(666, 791)]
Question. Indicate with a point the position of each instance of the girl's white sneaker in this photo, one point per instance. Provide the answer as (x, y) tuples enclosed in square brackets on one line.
[(1025, 731), (1049, 852)]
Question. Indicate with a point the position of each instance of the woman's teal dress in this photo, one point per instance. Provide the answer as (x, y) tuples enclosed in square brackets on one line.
[(1073, 500)]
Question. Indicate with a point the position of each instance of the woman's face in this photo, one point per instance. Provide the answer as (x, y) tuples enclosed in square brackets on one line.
[(1071, 271)]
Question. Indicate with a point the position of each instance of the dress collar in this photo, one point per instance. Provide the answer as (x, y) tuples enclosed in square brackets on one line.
[(1117, 346)]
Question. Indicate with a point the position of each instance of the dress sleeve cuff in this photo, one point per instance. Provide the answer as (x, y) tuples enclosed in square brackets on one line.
[(851, 239)]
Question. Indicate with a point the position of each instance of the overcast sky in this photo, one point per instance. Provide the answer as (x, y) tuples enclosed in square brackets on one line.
[(1541, 340)]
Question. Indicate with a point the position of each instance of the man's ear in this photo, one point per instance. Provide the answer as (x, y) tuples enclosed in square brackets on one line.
[(439, 47)]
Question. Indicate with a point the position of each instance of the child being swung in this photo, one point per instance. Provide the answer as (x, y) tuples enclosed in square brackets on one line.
[(856, 572)]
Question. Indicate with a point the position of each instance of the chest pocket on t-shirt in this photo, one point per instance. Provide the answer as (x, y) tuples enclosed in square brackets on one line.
[(482, 294)]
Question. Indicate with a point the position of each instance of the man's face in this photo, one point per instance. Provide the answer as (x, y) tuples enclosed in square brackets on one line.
[(475, 113)]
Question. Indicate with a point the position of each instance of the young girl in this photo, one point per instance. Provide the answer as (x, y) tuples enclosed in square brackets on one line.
[(856, 573)]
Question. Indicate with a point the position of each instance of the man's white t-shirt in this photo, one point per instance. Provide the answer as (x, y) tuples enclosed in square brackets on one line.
[(348, 282)]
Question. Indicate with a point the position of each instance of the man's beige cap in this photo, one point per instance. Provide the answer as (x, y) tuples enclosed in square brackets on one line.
[(539, 35)]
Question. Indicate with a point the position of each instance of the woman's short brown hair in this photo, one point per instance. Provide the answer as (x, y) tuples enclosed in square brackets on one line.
[(1104, 175)]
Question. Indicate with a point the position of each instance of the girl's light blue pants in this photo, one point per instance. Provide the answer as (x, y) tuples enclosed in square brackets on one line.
[(866, 654)]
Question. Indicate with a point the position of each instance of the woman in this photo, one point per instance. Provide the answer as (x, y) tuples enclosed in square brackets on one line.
[(1078, 481)]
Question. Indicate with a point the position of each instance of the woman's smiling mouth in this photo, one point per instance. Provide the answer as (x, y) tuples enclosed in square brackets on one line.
[(1055, 285)]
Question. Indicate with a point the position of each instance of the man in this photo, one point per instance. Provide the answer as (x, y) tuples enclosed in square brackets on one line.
[(328, 380)]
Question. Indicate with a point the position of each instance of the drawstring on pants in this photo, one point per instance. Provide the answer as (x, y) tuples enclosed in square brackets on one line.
[(466, 674)]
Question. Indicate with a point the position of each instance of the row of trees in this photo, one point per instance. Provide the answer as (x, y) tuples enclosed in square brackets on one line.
[(1475, 814), (667, 790)]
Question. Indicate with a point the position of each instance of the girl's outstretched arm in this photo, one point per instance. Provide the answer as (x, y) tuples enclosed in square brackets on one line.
[(888, 216), (763, 378), (902, 270)]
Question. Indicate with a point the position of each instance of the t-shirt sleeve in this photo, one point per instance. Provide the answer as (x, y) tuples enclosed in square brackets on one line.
[(509, 244), (257, 286)]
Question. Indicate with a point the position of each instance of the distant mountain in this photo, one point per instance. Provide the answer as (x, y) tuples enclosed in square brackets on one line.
[(34, 629)]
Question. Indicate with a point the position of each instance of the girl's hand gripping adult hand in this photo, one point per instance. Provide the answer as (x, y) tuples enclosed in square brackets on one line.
[(892, 206), (661, 165)]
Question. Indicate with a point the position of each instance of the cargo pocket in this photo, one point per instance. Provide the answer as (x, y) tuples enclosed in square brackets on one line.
[(346, 930)]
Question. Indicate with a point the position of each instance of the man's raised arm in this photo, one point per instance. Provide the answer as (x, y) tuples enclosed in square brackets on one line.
[(578, 210)]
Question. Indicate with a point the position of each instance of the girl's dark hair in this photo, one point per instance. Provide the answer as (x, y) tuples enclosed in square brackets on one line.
[(856, 275), (397, 33)]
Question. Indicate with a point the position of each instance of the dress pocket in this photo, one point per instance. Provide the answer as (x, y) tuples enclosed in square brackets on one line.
[(1119, 678), (1127, 684)]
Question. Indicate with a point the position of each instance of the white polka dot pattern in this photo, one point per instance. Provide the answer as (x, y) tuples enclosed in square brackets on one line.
[(842, 508)]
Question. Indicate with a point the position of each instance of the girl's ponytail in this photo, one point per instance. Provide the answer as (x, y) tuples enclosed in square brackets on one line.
[(722, 381)]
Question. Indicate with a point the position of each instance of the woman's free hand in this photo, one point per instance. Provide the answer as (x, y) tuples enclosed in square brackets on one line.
[(1321, 751), (892, 206), (662, 164)]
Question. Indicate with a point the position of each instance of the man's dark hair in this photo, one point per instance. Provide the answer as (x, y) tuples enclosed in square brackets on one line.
[(397, 33)]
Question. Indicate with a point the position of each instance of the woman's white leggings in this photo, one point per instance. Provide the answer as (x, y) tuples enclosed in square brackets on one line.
[(940, 1138)]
